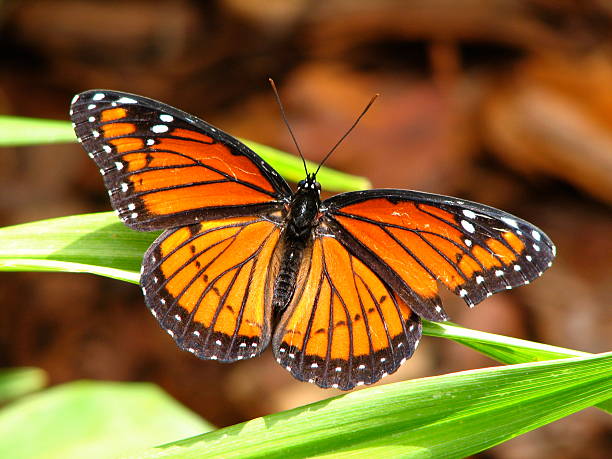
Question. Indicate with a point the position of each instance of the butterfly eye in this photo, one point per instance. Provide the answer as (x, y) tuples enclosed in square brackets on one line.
[(318, 186), (301, 183)]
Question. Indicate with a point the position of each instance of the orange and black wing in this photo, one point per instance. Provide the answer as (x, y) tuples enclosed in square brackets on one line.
[(344, 327), (208, 285), (414, 240), (165, 168)]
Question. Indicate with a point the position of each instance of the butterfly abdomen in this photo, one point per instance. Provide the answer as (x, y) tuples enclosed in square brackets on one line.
[(284, 284)]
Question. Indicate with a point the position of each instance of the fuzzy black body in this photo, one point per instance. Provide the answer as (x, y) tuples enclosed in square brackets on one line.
[(299, 227)]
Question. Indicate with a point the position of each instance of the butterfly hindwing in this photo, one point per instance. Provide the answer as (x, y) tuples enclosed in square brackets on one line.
[(164, 168), (414, 240), (344, 327), (208, 286)]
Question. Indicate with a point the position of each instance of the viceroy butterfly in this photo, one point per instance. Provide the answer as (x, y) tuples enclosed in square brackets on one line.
[(338, 286)]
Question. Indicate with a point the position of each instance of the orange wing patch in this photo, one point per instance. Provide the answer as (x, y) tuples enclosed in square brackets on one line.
[(113, 114), (344, 327), (207, 284)]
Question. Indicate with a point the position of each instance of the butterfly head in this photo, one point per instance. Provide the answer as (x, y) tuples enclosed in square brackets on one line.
[(309, 184)]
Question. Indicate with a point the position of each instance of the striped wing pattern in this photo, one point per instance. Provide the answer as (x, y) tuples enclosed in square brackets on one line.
[(345, 327)]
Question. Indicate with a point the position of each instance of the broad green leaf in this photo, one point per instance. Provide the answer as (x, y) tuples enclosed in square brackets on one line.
[(19, 131), (15, 382), (449, 416), (96, 243), (93, 419)]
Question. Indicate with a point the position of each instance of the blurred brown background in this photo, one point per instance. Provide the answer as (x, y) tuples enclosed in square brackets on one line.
[(505, 102)]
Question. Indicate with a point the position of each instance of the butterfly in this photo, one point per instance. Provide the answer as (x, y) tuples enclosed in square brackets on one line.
[(337, 287)]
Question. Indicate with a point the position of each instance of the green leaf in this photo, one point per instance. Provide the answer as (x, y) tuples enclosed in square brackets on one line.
[(15, 382), (501, 348), (19, 131), (95, 243), (93, 419), (449, 416)]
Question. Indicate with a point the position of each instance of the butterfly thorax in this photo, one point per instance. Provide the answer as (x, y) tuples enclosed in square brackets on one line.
[(300, 223), (304, 209)]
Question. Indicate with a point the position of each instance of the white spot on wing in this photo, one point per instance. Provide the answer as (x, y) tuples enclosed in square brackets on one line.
[(98, 96), (536, 235), (510, 222), (468, 213), (467, 226), (127, 100), (166, 118), (159, 128)]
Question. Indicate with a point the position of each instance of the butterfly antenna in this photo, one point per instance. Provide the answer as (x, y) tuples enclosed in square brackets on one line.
[(282, 110), (347, 132)]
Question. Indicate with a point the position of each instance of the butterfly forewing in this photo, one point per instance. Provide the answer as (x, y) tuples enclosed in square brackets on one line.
[(419, 239), (344, 327), (207, 284), (165, 168)]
